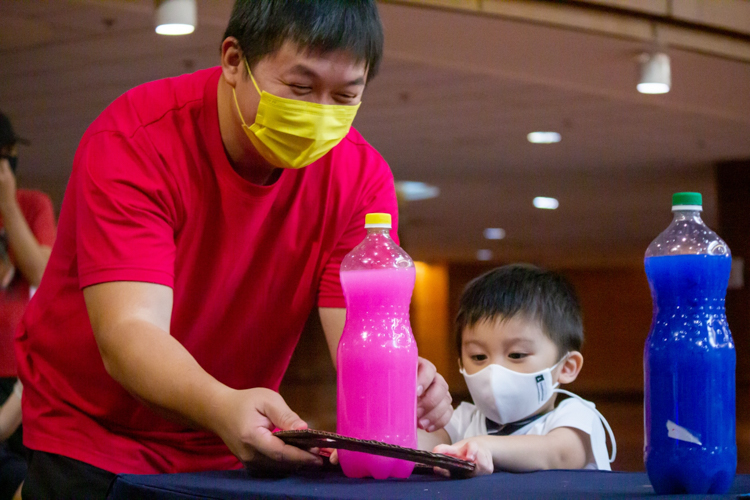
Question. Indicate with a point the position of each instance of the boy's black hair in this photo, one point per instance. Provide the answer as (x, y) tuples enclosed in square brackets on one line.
[(262, 26), (535, 293)]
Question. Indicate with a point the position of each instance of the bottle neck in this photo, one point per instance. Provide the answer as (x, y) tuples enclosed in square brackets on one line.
[(687, 215), (379, 230)]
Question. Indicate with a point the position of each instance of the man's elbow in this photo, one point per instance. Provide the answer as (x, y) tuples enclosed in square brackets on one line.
[(110, 364), (109, 352)]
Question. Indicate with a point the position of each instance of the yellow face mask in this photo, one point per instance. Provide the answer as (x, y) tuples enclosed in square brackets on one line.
[(292, 134)]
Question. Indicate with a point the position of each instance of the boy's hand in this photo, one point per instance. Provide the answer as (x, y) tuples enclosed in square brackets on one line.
[(433, 399), (473, 450)]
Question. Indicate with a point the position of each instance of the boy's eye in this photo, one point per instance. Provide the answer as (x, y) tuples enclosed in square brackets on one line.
[(479, 357), (517, 355)]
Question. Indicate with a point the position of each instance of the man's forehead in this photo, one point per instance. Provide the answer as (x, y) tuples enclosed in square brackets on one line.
[(300, 58)]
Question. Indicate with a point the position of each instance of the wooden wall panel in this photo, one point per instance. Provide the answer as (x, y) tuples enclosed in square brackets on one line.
[(733, 191)]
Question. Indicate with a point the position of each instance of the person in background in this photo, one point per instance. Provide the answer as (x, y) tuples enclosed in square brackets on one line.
[(519, 336), (206, 215), (27, 231)]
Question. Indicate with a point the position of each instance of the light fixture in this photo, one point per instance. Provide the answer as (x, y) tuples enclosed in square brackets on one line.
[(413, 190), (176, 17), (546, 203), (544, 137), (484, 254), (656, 76), (494, 233)]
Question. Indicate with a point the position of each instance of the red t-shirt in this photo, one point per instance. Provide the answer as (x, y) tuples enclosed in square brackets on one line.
[(36, 208), (153, 198)]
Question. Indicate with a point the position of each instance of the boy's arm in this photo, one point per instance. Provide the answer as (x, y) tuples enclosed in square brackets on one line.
[(429, 440), (562, 448)]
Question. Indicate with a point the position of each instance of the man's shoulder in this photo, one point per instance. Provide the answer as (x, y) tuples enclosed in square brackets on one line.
[(150, 102), (354, 138), (355, 146), (355, 161)]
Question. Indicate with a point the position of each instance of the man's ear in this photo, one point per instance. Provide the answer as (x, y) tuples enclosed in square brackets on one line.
[(232, 61), (570, 368)]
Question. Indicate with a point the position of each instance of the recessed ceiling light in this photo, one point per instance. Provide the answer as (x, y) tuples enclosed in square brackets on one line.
[(484, 254), (175, 29), (544, 137), (652, 88), (494, 233), (546, 203), (412, 190)]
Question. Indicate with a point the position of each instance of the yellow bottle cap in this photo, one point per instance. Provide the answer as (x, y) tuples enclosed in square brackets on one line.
[(378, 220)]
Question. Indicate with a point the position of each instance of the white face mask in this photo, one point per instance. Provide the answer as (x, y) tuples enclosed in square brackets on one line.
[(505, 396)]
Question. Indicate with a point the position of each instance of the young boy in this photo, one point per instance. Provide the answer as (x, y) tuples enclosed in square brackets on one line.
[(519, 333)]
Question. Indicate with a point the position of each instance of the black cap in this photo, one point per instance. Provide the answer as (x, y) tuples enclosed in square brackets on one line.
[(7, 135)]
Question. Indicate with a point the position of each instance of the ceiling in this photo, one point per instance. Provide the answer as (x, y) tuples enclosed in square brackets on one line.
[(455, 98)]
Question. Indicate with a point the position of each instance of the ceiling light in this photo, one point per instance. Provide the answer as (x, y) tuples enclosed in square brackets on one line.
[(176, 17), (484, 254), (656, 76), (543, 137), (546, 203), (412, 190), (494, 233)]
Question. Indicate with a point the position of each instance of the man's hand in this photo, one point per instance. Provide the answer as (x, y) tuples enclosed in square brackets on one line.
[(131, 324), (433, 399), (250, 416), (473, 450), (7, 184)]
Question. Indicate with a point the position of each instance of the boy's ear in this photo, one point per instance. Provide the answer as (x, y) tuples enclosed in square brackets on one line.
[(570, 369)]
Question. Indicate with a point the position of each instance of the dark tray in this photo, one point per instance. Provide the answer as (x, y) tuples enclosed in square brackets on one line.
[(308, 438)]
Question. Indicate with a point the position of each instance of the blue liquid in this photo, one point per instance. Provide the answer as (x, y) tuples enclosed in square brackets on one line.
[(689, 369)]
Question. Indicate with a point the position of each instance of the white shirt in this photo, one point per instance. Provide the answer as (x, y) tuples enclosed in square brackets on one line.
[(467, 421)]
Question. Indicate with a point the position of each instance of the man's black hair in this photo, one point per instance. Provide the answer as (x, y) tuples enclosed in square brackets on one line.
[(534, 293), (262, 26)]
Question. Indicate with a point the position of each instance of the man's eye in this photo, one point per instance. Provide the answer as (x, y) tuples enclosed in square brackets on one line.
[(478, 357), (300, 88), (517, 355)]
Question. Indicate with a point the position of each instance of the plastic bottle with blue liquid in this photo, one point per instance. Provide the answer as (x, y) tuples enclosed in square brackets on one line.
[(689, 358)]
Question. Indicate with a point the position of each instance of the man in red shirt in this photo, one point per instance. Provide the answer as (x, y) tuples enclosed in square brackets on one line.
[(27, 231), (192, 248)]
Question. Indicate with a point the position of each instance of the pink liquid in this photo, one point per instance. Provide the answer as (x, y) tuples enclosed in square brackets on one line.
[(377, 369)]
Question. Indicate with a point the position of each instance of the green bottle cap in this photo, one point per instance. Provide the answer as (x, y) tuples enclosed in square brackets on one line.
[(690, 199)]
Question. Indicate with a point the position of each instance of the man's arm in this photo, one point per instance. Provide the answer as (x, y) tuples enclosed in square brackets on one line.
[(31, 257), (562, 448), (433, 399), (131, 323)]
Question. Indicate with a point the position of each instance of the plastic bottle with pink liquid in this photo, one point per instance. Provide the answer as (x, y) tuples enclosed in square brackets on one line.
[(377, 354)]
